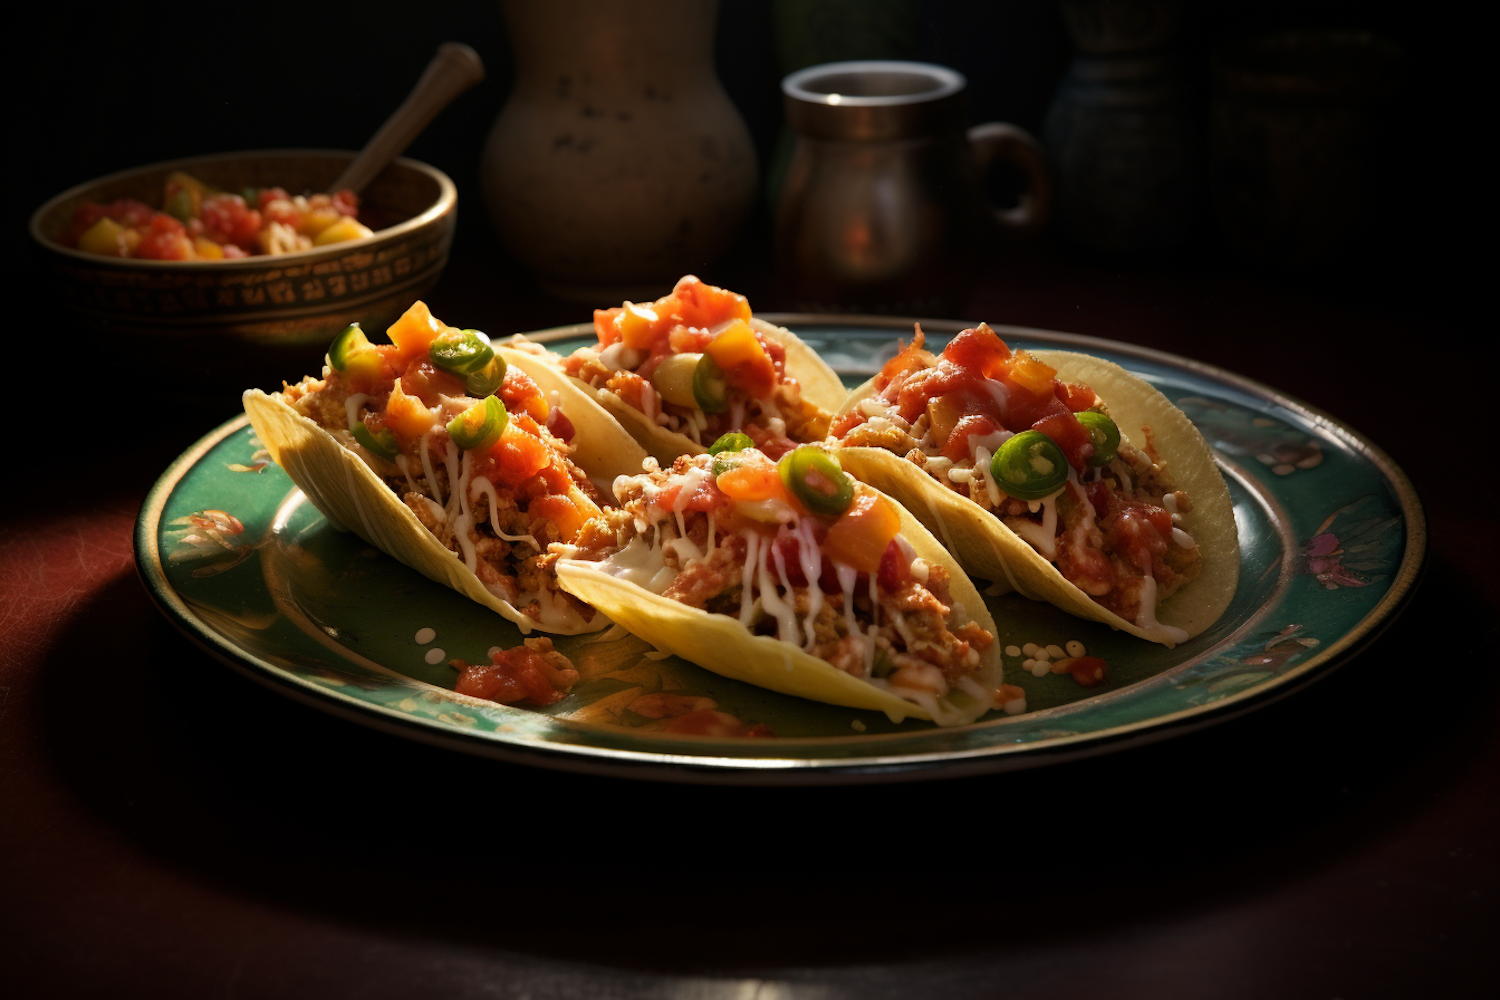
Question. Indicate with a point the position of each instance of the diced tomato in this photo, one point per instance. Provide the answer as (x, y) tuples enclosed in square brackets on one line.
[(957, 447), (1086, 670), (1071, 436), (1098, 494), (894, 568), (705, 497), (559, 425), (1076, 398), (427, 382), (688, 339), (712, 722), (1134, 532), (265, 196), (521, 395), (227, 219), (165, 239), (790, 550), (515, 676), (846, 423), (345, 202), (604, 326), (282, 210), (704, 305), (518, 455), (979, 349)]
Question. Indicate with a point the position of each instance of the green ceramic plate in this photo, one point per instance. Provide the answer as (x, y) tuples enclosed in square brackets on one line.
[(1332, 540)]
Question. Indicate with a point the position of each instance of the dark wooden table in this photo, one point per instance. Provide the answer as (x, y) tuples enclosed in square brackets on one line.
[(171, 829)]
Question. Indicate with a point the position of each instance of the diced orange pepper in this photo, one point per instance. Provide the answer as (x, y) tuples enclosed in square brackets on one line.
[(754, 481), (415, 331), (604, 325), (1030, 373), (568, 512), (746, 364), (862, 533), (944, 414), (639, 325), (406, 415), (207, 249), (910, 358)]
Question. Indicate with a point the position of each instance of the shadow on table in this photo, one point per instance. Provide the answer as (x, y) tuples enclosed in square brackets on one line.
[(228, 782)]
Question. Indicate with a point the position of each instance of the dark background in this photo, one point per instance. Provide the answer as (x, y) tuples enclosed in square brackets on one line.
[(128, 84), (168, 828)]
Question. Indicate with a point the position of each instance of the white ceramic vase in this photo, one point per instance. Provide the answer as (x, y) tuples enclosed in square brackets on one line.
[(618, 163)]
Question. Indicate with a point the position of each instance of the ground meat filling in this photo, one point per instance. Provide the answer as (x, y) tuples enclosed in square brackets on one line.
[(898, 629), (508, 545)]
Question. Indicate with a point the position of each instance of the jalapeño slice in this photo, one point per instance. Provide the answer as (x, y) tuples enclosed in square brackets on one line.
[(1105, 434), (816, 478), (461, 352), (726, 451), (486, 380), (480, 425), (710, 386), (733, 441), (382, 443), (349, 340), (1029, 466)]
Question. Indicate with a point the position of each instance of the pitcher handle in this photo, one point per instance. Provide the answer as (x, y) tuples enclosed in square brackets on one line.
[(994, 141)]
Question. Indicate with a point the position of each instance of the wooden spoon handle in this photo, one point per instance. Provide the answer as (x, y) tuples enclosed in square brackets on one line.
[(454, 69)]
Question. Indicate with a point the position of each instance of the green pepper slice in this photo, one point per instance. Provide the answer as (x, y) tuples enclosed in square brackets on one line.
[(486, 380), (1106, 436), (382, 444), (461, 352), (349, 340), (1029, 466), (733, 441), (816, 478), (710, 386), (480, 425)]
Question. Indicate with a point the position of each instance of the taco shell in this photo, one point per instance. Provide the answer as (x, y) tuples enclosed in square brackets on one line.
[(721, 644), (353, 498), (988, 549)]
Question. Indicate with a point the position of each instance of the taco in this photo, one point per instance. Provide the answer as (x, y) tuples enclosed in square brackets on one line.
[(436, 450), (792, 576), (1027, 466), (680, 372)]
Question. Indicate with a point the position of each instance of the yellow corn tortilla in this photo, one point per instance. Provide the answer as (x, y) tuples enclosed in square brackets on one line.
[(988, 549), (353, 498), (820, 386), (721, 644)]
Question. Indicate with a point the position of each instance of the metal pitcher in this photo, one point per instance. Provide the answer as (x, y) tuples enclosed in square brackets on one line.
[(883, 207)]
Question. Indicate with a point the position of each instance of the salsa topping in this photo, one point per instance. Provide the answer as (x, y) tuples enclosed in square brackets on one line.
[(468, 446), (1041, 454), (197, 222), (697, 363)]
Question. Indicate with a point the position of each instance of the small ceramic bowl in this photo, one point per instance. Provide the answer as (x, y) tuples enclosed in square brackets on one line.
[(253, 307)]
